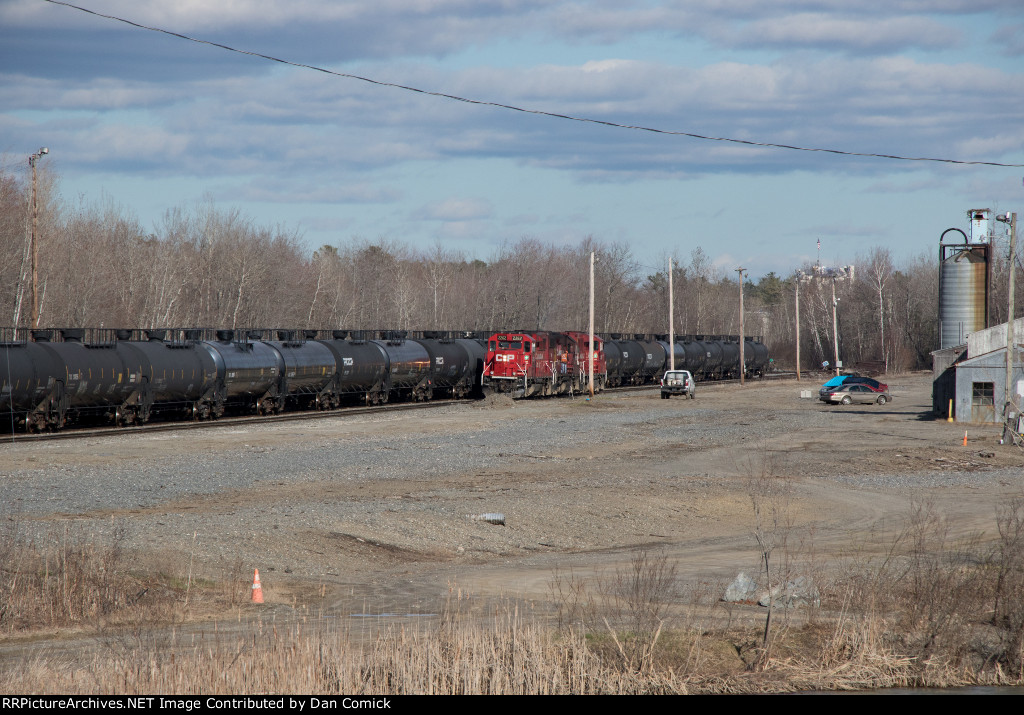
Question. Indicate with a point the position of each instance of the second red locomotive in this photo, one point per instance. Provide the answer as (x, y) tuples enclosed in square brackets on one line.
[(542, 363)]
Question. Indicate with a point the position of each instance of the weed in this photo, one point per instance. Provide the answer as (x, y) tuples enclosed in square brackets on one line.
[(770, 499)]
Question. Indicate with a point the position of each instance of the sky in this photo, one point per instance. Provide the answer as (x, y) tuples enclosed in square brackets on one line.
[(154, 122)]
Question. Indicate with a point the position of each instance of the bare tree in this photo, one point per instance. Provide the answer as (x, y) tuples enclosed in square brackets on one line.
[(14, 255), (879, 271), (770, 498), (441, 267)]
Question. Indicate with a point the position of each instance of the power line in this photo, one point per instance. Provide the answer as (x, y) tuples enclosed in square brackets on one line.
[(525, 110)]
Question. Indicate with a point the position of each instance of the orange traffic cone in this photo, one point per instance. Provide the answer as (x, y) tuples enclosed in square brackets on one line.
[(965, 438), (257, 589)]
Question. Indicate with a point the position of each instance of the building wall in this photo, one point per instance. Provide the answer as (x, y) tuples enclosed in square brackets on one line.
[(944, 377), (944, 390), (990, 368), (991, 339)]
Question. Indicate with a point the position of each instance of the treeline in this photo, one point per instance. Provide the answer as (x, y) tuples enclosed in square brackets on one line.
[(208, 267)]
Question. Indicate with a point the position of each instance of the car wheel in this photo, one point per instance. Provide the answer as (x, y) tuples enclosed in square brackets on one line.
[(847, 400), (882, 399)]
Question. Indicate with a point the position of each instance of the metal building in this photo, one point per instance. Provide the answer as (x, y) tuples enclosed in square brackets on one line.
[(975, 377), (981, 384)]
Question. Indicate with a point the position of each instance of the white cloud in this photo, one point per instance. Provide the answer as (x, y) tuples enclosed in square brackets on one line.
[(456, 209), (124, 102), (855, 34), (313, 193), (306, 122)]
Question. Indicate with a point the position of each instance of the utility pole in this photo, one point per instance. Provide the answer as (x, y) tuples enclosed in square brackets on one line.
[(796, 281), (743, 364), (590, 345), (671, 322), (1008, 401), (32, 239)]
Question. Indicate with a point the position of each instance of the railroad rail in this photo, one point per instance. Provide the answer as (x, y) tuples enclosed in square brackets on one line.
[(241, 420), (227, 421)]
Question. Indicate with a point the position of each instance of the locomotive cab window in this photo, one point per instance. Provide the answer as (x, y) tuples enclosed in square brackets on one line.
[(510, 344), (526, 346), (492, 346)]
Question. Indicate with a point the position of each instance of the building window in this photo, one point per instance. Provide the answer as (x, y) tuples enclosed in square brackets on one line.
[(983, 402)]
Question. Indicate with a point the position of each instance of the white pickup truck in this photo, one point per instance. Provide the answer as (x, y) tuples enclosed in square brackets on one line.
[(677, 382)]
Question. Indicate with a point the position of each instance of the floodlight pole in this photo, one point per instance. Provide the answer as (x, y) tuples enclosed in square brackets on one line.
[(835, 324), (32, 238)]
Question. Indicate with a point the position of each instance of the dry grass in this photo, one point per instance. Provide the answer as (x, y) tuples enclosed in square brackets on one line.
[(63, 579), (944, 608), (454, 656), (932, 610)]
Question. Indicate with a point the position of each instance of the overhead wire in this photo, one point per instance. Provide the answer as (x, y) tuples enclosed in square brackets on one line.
[(525, 110)]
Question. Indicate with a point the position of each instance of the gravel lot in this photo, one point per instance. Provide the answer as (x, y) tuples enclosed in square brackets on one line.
[(379, 508)]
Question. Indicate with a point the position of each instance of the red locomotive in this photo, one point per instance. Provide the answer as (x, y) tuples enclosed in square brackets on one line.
[(582, 341), (541, 363)]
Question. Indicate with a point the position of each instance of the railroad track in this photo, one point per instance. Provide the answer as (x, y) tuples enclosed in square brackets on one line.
[(234, 421), (242, 420)]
